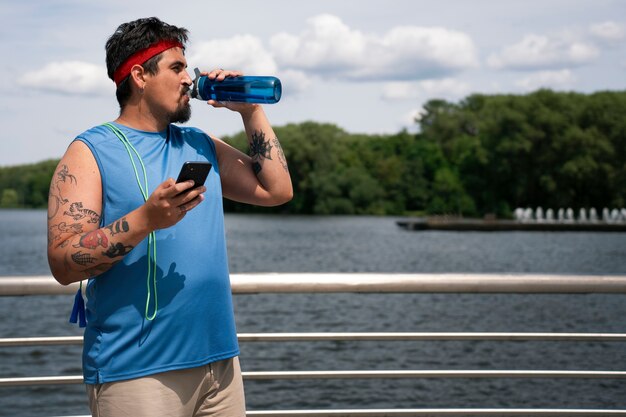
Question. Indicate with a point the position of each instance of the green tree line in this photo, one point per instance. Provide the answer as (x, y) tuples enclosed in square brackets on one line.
[(26, 185), (485, 154)]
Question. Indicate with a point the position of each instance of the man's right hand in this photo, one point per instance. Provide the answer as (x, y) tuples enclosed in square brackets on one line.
[(169, 203)]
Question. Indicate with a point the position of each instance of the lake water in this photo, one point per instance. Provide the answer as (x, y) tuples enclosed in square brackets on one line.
[(362, 244)]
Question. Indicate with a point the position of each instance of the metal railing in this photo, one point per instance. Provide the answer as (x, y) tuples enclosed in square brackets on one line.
[(376, 283), (371, 283)]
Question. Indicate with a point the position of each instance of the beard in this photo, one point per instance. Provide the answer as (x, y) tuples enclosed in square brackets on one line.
[(182, 115)]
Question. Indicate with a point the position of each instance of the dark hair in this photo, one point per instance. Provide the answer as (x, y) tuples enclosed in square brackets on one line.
[(133, 36)]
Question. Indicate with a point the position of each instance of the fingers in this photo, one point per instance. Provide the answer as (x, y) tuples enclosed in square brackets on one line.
[(183, 194), (234, 106), (170, 188), (170, 202), (220, 74), (190, 205), (216, 104), (187, 196)]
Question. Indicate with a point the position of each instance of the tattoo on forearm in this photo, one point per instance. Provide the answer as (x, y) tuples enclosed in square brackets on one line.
[(83, 259), (96, 239), (117, 249), (56, 199), (281, 154), (120, 226), (77, 212), (92, 240)]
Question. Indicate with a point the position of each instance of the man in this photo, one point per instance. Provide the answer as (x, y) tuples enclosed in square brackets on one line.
[(160, 337)]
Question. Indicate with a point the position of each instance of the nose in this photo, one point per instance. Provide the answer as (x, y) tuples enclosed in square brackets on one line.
[(187, 79)]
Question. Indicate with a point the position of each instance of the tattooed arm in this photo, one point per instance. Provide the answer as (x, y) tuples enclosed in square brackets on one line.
[(262, 177), (77, 247)]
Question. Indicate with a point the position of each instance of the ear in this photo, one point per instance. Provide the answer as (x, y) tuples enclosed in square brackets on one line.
[(138, 76)]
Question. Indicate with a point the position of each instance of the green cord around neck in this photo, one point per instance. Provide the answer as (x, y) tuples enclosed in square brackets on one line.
[(151, 255)]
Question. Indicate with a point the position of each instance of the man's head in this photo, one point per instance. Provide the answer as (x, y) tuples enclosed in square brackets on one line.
[(140, 45)]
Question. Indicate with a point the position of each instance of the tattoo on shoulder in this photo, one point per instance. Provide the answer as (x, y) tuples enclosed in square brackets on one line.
[(55, 196)]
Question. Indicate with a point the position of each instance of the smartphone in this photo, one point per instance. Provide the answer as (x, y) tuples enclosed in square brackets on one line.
[(196, 171)]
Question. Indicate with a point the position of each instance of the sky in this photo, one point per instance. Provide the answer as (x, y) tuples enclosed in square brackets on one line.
[(365, 66)]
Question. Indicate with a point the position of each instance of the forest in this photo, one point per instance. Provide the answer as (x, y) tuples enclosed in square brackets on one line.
[(483, 155)]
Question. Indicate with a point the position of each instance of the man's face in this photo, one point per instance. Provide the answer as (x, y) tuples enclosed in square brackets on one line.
[(166, 91)]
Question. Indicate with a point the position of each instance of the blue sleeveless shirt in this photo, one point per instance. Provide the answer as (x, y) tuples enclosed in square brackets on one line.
[(194, 324)]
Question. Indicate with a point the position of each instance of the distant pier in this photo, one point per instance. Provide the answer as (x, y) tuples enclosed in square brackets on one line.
[(491, 225), (527, 220)]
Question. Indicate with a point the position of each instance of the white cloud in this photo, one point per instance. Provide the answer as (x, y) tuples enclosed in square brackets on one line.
[(409, 120), (329, 46), (446, 88), (245, 53), (401, 90), (536, 52), (326, 40), (608, 31), (547, 79), (294, 82), (413, 116), (70, 78), (242, 52)]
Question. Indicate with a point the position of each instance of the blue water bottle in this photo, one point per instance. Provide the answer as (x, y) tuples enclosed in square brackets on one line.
[(242, 89)]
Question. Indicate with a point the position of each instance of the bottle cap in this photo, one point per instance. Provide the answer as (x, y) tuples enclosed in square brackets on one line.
[(194, 88)]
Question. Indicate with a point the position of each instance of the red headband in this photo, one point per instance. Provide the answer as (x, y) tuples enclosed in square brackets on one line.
[(142, 56)]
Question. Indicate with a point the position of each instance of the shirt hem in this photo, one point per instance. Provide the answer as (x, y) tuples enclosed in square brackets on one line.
[(99, 378)]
